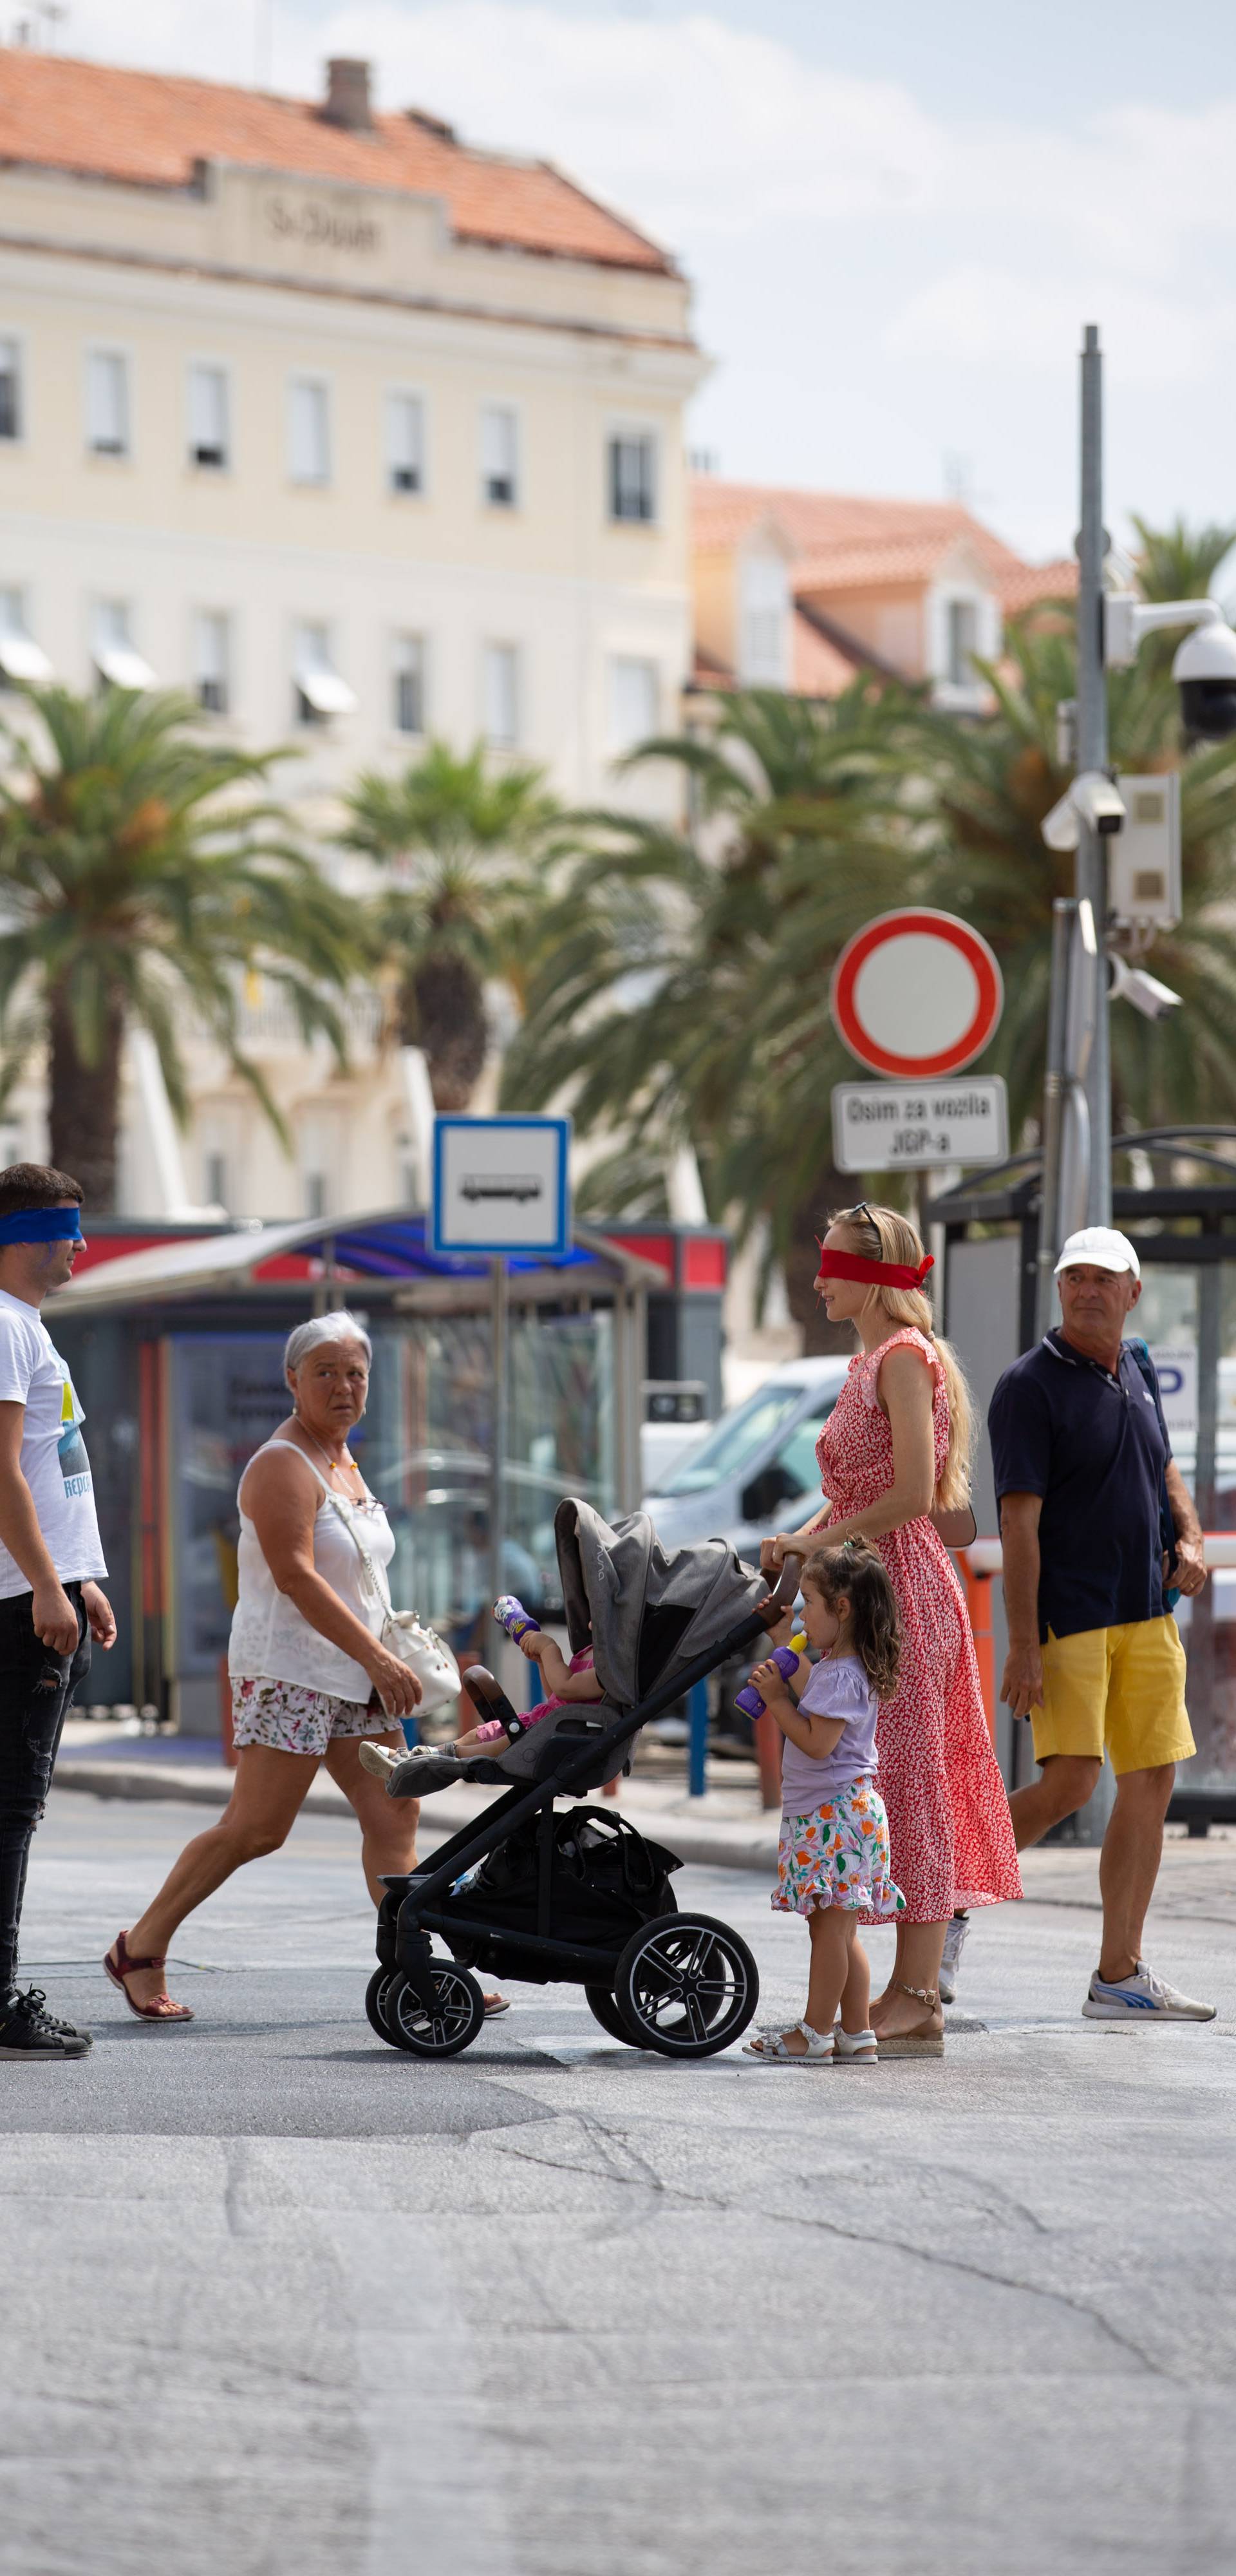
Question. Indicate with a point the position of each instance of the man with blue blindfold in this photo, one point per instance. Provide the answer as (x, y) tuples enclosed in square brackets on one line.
[(50, 1560)]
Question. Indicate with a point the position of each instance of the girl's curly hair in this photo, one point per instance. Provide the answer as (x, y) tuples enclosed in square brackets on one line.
[(855, 1572)]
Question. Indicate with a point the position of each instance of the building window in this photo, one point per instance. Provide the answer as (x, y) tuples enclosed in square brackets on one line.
[(408, 684), (633, 476), (405, 443), (208, 425), (107, 403), (214, 1166), (20, 657), (118, 663), (499, 457), (961, 642), (500, 694), (764, 622), (308, 431), (10, 389), (212, 660), (634, 701), (318, 691)]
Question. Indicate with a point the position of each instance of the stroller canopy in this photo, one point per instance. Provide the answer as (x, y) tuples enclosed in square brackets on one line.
[(645, 1610)]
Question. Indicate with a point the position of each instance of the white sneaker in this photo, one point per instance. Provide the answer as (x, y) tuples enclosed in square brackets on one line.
[(954, 1944), (1141, 1997)]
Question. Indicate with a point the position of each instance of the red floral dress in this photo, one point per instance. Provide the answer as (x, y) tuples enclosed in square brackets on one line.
[(950, 1831)]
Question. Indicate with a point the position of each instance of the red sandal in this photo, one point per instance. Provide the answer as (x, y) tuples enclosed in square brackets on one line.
[(162, 2008)]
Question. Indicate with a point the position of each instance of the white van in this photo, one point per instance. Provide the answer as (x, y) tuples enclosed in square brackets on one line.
[(755, 1471)]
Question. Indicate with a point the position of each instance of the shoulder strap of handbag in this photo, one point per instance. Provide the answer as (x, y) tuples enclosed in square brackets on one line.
[(1167, 1527), (375, 1574)]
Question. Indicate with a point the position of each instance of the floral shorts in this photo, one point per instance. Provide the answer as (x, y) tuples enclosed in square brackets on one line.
[(291, 1719), (838, 1856)]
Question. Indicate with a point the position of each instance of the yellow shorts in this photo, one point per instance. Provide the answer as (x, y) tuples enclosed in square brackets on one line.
[(1119, 1687)]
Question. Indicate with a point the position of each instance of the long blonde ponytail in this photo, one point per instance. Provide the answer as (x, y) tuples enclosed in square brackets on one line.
[(881, 1234)]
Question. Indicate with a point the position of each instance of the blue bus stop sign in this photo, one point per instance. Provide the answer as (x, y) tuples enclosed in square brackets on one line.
[(501, 1185)]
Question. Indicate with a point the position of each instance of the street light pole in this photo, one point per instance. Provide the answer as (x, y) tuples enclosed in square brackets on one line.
[(1091, 877)]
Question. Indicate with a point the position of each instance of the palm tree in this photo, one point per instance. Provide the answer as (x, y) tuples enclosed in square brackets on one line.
[(142, 872), (460, 843), (994, 782), (682, 997)]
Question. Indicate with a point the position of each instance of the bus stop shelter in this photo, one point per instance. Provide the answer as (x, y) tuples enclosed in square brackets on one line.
[(176, 1353)]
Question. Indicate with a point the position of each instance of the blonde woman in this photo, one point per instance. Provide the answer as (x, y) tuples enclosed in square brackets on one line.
[(897, 1445)]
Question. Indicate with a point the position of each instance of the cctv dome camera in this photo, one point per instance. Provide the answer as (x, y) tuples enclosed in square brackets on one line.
[(1205, 673)]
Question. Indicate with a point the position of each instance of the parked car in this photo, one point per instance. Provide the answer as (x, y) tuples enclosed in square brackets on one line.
[(755, 1471)]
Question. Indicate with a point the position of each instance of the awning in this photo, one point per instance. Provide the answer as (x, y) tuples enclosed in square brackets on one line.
[(123, 667), (327, 693), (389, 1247), (22, 659)]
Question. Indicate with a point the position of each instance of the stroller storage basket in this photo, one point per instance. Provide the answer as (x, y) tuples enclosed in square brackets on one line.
[(585, 1877)]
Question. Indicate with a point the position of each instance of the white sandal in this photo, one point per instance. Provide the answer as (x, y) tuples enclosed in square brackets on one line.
[(855, 2047), (771, 2050)]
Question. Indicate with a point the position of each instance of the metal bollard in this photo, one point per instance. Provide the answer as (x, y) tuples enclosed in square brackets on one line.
[(697, 1745)]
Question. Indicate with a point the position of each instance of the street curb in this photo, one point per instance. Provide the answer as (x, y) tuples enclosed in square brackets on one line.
[(707, 1845)]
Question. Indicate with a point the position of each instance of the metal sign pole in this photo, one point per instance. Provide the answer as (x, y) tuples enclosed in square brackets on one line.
[(1091, 881), (499, 1333)]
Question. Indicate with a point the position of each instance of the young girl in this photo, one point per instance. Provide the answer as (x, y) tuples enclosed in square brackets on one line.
[(563, 1682), (833, 1862)]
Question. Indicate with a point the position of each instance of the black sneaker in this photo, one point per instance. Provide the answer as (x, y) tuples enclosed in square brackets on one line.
[(27, 2031)]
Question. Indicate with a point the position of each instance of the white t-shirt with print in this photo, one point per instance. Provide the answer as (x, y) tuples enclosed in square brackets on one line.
[(53, 1453)]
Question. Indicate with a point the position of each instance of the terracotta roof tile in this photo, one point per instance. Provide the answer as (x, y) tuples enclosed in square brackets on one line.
[(149, 129), (843, 541), (1032, 582)]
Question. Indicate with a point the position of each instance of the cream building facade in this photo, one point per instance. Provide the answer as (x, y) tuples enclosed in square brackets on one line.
[(357, 435)]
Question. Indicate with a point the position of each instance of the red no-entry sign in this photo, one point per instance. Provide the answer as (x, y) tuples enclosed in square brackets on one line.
[(916, 993)]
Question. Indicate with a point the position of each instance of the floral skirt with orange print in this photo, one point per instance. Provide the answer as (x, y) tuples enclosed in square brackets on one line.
[(839, 1856)]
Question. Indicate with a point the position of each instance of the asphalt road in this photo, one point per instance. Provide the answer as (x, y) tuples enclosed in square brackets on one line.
[(276, 2298)]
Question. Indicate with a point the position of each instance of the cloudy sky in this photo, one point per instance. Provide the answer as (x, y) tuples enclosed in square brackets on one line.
[(897, 218)]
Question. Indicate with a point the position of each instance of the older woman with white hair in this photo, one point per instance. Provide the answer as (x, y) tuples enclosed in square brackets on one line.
[(311, 1679)]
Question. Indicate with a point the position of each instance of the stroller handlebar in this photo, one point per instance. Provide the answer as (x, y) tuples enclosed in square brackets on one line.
[(785, 1591)]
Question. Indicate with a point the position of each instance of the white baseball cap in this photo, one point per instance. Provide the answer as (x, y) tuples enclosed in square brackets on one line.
[(1103, 1247)]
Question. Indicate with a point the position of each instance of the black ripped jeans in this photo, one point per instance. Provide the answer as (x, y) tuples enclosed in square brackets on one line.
[(35, 1690)]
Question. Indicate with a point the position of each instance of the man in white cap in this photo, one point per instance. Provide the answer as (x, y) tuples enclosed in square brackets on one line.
[(1087, 1488)]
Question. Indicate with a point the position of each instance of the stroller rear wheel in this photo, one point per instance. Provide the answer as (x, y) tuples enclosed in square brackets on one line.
[(603, 2008), (459, 2010), (376, 1996), (686, 1985)]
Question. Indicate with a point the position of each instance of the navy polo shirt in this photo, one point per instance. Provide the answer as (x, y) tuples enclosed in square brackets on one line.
[(1094, 1446)]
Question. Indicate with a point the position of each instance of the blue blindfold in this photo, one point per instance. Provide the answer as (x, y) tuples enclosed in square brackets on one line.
[(42, 1225)]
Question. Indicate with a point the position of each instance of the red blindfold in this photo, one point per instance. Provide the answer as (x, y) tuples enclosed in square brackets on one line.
[(881, 1274)]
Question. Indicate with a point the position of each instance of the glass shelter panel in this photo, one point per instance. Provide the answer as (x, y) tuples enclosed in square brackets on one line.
[(425, 1449)]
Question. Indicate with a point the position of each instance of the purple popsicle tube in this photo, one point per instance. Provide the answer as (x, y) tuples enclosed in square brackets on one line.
[(748, 1699), (511, 1615)]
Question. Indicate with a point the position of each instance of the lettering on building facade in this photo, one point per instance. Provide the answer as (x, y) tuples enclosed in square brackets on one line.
[(321, 226)]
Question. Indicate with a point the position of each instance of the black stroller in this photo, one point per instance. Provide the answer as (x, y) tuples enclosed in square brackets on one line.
[(580, 1896)]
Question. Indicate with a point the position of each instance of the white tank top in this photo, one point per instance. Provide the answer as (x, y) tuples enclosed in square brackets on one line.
[(269, 1637)]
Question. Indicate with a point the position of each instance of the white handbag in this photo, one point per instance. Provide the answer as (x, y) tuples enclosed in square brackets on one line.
[(402, 1633)]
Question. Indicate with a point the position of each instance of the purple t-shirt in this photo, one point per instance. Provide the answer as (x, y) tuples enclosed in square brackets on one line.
[(837, 1688)]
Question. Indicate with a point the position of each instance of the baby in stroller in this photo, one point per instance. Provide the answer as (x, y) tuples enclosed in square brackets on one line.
[(405, 1773)]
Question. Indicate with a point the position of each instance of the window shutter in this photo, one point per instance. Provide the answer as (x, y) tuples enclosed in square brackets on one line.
[(404, 443), (310, 450), (208, 415), (107, 408)]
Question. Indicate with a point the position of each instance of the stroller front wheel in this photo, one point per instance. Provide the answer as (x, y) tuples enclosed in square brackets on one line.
[(686, 1985), (603, 2008), (458, 2012), (377, 1995)]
